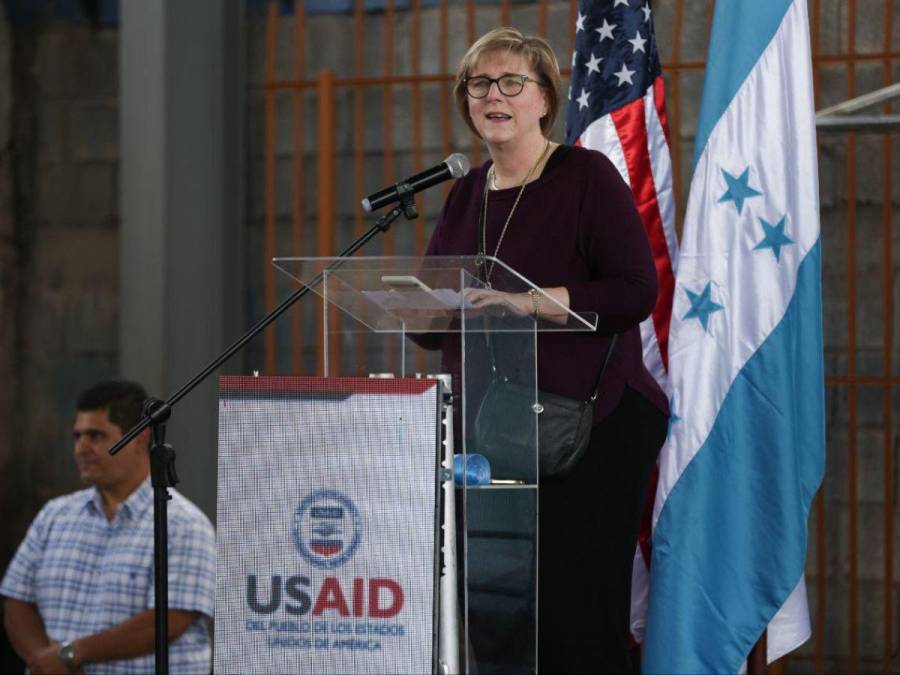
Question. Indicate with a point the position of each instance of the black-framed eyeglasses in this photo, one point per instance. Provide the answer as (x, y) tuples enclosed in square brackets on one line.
[(509, 84)]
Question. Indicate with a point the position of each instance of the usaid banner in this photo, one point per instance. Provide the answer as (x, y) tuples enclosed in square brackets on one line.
[(326, 525)]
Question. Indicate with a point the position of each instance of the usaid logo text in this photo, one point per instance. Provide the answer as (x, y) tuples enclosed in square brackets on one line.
[(327, 528)]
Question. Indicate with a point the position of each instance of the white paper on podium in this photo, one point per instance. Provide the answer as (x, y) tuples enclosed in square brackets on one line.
[(438, 299)]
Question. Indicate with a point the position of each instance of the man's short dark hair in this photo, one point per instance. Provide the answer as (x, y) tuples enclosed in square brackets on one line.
[(123, 400)]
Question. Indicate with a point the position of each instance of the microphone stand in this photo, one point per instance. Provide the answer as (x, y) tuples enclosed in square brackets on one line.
[(157, 412)]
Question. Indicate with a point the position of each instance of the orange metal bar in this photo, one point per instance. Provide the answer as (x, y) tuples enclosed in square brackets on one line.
[(862, 380), (359, 129), (325, 206), (367, 81), (389, 173), (887, 361), (269, 337), (669, 66), (417, 119), (756, 659), (852, 470), (417, 141), (388, 110), (446, 92), (821, 542), (543, 8), (857, 58), (505, 17), (821, 583), (573, 15), (474, 145), (358, 114), (297, 181)]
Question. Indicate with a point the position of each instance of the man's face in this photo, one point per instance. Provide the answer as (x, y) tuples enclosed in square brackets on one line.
[(93, 436)]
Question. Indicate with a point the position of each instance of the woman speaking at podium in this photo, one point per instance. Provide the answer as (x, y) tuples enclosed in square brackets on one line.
[(564, 218)]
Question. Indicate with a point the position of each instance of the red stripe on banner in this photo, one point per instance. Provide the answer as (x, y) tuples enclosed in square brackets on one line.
[(659, 100), (279, 386), (631, 126)]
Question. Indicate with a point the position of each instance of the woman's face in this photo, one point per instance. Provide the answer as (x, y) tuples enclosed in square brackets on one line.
[(502, 119)]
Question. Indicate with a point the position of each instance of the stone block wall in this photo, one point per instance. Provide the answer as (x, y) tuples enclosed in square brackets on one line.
[(59, 152), (58, 250)]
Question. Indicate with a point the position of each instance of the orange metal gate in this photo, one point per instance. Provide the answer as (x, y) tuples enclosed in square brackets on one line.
[(852, 41)]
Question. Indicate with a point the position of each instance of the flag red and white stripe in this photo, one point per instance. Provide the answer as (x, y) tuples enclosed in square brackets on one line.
[(617, 106)]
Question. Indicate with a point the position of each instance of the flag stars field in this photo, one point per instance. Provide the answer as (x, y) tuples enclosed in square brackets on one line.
[(702, 305), (738, 189), (614, 41), (774, 238), (606, 30)]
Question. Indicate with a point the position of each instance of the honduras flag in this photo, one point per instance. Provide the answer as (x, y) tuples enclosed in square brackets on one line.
[(746, 446)]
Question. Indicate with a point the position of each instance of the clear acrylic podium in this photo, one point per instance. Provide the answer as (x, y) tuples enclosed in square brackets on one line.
[(489, 600)]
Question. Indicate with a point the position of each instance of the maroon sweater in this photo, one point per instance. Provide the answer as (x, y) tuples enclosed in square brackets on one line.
[(575, 226)]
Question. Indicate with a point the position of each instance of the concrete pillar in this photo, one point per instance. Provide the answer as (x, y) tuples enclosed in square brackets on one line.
[(180, 267)]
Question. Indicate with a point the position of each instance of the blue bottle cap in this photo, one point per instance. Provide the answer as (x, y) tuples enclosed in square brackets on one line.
[(477, 469)]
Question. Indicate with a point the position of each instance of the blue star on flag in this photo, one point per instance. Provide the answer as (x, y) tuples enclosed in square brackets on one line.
[(702, 305), (738, 189), (775, 237)]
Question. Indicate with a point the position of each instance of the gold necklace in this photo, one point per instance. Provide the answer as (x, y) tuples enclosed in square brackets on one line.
[(491, 180)]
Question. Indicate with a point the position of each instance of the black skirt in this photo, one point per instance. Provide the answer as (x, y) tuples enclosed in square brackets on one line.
[(588, 528)]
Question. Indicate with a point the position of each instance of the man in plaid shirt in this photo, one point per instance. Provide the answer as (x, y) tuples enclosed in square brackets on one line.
[(79, 591)]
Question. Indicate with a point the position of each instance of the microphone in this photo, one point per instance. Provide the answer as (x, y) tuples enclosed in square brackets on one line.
[(455, 166)]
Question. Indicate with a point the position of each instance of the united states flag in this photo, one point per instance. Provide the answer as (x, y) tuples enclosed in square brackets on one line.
[(617, 106)]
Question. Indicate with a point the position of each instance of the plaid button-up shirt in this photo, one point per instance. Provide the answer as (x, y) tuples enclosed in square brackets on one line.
[(86, 574)]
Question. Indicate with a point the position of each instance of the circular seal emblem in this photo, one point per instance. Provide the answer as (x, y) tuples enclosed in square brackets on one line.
[(327, 528)]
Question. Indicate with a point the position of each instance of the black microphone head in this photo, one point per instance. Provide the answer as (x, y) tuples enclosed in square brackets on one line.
[(458, 164)]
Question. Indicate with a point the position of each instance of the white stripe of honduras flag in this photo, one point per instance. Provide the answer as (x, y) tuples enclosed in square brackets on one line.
[(746, 448)]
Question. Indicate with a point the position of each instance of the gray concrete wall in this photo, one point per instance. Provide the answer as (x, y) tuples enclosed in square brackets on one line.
[(59, 214), (58, 253), (9, 304), (181, 214)]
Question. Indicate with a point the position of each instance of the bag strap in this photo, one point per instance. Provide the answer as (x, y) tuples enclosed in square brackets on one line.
[(481, 254), (479, 235), (612, 345)]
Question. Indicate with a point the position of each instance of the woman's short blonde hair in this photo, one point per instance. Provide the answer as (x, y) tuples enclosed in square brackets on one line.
[(537, 53)]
